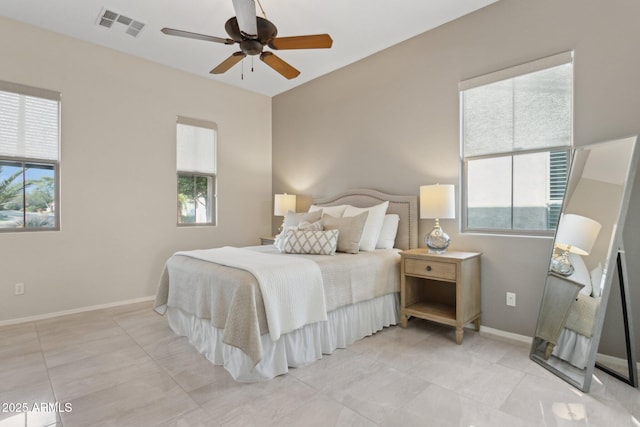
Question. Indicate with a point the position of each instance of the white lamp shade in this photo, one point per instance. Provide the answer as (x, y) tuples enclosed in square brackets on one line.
[(284, 203), (437, 201), (577, 233)]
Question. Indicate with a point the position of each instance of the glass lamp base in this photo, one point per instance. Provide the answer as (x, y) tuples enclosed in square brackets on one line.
[(560, 264), (437, 241)]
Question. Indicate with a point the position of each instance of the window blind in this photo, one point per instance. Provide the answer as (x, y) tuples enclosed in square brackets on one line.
[(507, 111), (196, 147), (558, 173), (29, 123)]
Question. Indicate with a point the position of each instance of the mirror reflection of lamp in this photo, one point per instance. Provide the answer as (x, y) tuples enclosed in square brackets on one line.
[(436, 202), (282, 204), (576, 234)]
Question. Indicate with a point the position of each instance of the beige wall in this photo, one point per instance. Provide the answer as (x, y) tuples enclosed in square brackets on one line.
[(118, 199), (391, 121)]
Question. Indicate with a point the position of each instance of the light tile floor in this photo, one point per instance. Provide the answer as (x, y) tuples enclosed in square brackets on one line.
[(124, 367)]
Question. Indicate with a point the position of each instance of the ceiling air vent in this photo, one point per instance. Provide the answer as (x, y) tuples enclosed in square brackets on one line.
[(108, 17)]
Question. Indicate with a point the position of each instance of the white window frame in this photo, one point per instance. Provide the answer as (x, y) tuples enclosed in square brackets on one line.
[(24, 160), (210, 174), (505, 74)]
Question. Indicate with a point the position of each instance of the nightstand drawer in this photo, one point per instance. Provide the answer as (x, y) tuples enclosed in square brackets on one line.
[(430, 269)]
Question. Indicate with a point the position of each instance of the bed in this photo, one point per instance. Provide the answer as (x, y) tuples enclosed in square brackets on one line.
[(220, 306), (570, 339)]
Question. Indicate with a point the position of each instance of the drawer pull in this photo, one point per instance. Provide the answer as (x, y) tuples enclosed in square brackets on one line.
[(428, 268)]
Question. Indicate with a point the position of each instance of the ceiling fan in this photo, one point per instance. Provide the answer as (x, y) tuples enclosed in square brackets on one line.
[(253, 33)]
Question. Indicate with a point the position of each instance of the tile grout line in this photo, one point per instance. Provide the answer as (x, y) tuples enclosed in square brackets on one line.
[(46, 366), (162, 368)]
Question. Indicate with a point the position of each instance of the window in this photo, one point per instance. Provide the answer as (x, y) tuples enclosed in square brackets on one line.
[(29, 158), (516, 129), (196, 166)]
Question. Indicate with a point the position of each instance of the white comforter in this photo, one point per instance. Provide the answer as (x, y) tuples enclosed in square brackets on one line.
[(230, 299), (291, 287)]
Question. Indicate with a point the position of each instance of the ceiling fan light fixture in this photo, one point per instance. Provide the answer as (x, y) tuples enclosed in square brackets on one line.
[(252, 33), (251, 47)]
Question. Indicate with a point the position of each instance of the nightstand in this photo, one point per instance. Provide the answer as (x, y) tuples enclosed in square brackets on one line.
[(443, 288), (267, 240)]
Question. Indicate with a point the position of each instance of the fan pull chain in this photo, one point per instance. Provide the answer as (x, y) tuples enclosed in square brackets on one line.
[(242, 69), (252, 64)]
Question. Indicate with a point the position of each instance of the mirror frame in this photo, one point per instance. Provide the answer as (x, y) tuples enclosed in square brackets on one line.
[(615, 248), (632, 374)]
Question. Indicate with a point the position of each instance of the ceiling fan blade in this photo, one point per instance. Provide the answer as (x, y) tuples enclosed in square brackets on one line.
[(228, 63), (316, 41), (187, 34), (246, 15), (279, 65)]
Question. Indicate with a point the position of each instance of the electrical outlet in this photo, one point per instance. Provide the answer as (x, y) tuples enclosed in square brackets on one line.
[(19, 290), (511, 299)]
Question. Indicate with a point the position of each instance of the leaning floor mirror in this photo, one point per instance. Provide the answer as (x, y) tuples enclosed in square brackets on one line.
[(587, 261)]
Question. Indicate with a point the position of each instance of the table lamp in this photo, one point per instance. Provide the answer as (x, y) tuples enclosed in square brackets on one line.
[(436, 202), (282, 204), (576, 234)]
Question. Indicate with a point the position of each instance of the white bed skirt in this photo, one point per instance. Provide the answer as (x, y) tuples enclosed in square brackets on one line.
[(572, 347), (298, 348)]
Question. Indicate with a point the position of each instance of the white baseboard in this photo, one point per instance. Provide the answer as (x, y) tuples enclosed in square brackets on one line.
[(507, 335), (606, 360), (74, 311)]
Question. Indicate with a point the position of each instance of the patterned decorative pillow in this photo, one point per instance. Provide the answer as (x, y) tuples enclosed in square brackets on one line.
[(311, 242), (310, 226)]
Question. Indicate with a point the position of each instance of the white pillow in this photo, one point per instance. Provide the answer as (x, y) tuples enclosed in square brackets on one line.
[(292, 219), (388, 232), (373, 225), (580, 273), (596, 281), (335, 211)]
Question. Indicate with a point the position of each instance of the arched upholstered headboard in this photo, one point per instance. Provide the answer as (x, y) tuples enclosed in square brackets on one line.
[(406, 207)]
